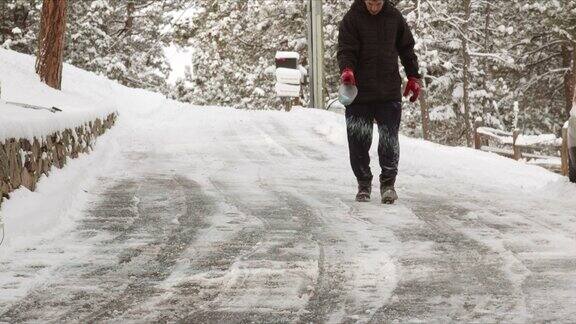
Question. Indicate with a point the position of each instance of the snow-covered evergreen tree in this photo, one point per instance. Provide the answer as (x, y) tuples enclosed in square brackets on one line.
[(234, 43), (548, 55), (123, 39), (463, 60), (19, 24)]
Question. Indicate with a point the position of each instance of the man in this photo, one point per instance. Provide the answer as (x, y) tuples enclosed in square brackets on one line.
[(373, 34)]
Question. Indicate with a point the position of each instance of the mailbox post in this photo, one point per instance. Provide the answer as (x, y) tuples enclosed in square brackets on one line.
[(288, 76)]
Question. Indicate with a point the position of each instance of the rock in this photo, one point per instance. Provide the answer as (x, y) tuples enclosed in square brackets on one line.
[(4, 166), (28, 180), (40, 155)]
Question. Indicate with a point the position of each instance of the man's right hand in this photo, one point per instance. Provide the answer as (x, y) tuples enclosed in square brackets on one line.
[(347, 77)]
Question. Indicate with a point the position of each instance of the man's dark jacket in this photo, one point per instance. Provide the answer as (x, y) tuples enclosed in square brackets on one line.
[(370, 46)]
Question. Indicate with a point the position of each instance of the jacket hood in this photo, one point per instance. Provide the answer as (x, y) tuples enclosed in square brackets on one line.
[(359, 5)]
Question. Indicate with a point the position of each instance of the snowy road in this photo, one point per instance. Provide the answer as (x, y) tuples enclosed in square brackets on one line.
[(219, 215)]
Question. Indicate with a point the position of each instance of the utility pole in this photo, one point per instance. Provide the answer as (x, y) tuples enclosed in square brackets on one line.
[(316, 53)]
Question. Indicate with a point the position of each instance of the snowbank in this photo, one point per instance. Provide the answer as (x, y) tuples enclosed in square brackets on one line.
[(455, 169), (34, 142), (81, 100), (33, 139)]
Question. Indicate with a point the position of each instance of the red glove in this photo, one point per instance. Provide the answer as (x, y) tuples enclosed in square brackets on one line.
[(414, 87), (347, 77)]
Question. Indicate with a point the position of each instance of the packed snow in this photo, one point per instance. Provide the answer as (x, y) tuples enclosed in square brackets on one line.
[(216, 214)]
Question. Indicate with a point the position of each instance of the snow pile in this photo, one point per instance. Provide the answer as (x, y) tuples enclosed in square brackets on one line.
[(81, 100), (28, 216)]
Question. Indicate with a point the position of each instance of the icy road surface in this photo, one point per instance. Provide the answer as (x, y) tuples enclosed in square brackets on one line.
[(206, 215)]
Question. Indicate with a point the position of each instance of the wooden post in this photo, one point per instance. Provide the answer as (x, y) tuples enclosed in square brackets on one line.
[(517, 151), (564, 152), (477, 138), (568, 77)]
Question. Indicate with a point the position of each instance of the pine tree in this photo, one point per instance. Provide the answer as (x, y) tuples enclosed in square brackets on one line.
[(549, 53), (19, 24), (123, 40), (234, 45), (465, 70)]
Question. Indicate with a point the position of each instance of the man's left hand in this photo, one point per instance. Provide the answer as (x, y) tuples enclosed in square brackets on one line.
[(414, 87)]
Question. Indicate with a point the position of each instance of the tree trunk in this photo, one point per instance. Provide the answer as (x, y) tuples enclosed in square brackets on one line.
[(130, 8), (485, 62), (20, 16), (466, 67), (424, 112), (568, 77), (574, 81), (51, 43), (423, 103), (128, 28), (573, 88)]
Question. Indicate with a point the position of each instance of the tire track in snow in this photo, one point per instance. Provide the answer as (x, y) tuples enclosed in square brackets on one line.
[(537, 251), (258, 196), (144, 240), (353, 273), (358, 258), (204, 270), (448, 276), (273, 282), (534, 238)]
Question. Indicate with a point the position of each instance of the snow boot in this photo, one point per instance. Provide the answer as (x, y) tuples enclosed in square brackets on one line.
[(387, 190), (364, 191)]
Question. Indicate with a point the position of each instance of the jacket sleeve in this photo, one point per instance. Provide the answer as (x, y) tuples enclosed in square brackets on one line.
[(405, 46), (348, 44)]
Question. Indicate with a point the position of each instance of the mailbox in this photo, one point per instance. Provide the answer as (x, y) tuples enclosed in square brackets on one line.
[(287, 90), (287, 60), (289, 76)]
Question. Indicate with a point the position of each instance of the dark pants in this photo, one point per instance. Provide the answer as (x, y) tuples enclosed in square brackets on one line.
[(359, 124)]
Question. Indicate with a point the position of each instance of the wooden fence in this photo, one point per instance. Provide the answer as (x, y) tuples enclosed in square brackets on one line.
[(546, 151)]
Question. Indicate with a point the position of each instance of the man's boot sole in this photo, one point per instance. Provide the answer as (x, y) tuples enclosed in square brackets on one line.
[(362, 198), (389, 199)]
